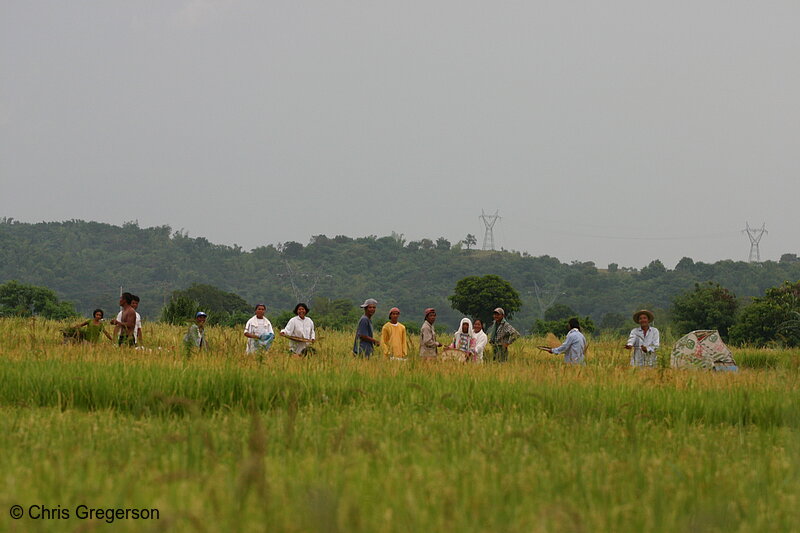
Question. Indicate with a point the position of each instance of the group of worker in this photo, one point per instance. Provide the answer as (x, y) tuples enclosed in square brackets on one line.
[(470, 340)]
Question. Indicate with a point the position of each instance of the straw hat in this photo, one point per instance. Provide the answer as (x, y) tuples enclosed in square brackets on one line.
[(636, 315)]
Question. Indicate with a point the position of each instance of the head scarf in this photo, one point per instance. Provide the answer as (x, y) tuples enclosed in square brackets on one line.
[(393, 309), (461, 325), (428, 311)]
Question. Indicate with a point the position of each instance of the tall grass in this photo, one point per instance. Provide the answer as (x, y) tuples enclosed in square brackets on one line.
[(221, 441)]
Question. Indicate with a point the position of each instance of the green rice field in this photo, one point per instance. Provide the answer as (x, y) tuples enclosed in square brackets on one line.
[(220, 441)]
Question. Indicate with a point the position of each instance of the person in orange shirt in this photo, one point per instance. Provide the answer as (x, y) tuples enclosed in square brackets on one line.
[(393, 337)]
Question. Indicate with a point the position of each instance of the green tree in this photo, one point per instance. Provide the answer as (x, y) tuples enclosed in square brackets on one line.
[(765, 320), (470, 241), (708, 306), (280, 320), (179, 310), (477, 297), (214, 300), (655, 269), (560, 326), (686, 264), (292, 249), (339, 314), (223, 308), (614, 322), (18, 299), (559, 312)]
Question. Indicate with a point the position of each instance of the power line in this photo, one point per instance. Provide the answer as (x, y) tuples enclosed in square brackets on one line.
[(600, 231), (646, 237)]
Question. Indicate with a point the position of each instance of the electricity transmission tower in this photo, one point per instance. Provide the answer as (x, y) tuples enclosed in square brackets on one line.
[(755, 237), (489, 221), (311, 280), (547, 297)]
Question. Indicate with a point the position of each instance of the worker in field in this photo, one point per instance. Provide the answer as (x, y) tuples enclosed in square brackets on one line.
[(137, 329), (501, 334), (126, 321), (574, 347), (195, 338), (94, 328), (393, 337), (428, 346), (481, 340), (300, 326), (644, 340), (465, 340), (365, 341), (259, 332)]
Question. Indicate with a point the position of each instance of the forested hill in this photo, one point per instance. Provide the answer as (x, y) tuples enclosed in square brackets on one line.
[(88, 262)]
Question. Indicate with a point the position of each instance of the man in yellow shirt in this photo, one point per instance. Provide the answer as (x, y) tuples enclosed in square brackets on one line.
[(393, 336)]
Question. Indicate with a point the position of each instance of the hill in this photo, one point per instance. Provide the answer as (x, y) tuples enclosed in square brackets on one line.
[(88, 262)]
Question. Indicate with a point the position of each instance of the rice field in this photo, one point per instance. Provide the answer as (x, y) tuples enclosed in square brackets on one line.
[(221, 441)]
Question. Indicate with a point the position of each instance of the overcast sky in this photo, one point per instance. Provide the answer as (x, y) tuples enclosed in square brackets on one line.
[(616, 131)]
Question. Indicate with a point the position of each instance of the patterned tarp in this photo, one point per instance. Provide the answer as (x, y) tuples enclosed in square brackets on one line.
[(702, 349)]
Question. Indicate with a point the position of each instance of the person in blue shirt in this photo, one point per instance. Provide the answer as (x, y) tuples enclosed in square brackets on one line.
[(574, 347), (365, 341)]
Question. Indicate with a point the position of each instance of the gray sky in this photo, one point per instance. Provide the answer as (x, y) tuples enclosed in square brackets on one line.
[(619, 131)]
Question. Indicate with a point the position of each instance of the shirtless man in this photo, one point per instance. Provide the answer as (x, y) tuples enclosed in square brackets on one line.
[(127, 321)]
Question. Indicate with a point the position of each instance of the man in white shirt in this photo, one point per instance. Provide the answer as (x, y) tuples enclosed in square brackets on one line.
[(302, 327), (644, 340), (137, 331)]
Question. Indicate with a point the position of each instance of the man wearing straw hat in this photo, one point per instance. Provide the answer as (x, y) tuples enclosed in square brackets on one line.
[(644, 340)]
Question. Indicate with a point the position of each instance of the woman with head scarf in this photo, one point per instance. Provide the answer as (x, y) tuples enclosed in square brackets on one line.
[(464, 339)]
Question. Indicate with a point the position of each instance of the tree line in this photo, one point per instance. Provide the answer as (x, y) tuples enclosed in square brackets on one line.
[(88, 262)]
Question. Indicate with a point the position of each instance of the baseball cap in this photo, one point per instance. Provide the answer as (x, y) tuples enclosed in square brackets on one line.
[(369, 301)]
